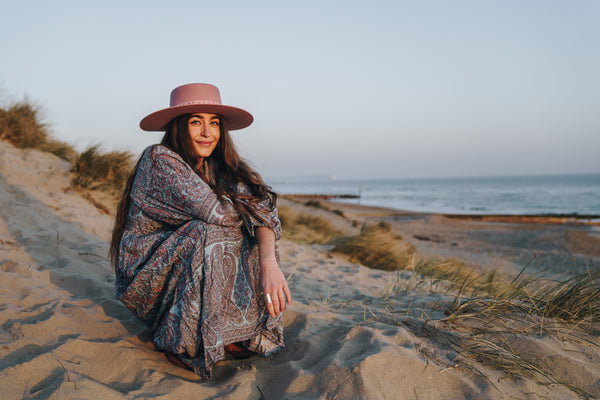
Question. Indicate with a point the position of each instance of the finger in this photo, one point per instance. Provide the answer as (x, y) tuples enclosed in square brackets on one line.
[(276, 304), (288, 295), (271, 309), (282, 297)]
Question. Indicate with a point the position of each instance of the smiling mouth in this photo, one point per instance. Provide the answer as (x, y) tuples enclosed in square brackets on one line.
[(204, 143)]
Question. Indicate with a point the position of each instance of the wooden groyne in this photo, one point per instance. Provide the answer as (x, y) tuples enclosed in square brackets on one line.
[(322, 196)]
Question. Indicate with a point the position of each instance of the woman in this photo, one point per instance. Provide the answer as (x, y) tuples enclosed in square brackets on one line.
[(194, 240)]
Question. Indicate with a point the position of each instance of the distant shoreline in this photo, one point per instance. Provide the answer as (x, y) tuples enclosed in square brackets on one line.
[(377, 211), (557, 196)]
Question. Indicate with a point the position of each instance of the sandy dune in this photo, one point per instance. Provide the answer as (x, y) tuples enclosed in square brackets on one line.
[(64, 336)]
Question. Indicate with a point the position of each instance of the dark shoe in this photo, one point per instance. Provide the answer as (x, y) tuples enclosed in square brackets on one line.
[(237, 351)]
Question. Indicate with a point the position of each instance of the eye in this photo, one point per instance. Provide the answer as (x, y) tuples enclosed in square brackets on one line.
[(195, 122), (215, 123)]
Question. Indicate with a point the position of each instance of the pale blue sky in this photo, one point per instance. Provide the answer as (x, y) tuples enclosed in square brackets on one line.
[(346, 89)]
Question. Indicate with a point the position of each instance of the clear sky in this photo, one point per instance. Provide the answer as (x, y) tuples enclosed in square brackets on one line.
[(348, 89)]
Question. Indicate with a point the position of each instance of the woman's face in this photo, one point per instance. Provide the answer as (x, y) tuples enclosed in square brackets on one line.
[(205, 131)]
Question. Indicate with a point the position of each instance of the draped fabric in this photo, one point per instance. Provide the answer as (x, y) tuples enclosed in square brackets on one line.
[(188, 265)]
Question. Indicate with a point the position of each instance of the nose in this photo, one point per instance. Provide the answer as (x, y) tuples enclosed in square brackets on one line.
[(204, 130)]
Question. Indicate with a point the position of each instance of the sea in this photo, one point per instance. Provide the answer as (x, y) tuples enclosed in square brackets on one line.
[(522, 195)]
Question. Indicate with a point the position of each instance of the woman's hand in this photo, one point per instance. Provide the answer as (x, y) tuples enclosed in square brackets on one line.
[(273, 283), (272, 280)]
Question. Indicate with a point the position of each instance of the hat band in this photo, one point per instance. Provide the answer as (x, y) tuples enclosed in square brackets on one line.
[(187, 103)]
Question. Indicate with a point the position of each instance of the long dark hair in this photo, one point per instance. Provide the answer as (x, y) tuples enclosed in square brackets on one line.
[(224, 163)]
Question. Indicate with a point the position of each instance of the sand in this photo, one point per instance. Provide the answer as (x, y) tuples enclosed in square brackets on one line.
[(64, 336)]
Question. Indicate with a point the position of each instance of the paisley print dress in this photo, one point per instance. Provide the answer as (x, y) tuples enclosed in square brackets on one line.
[(188, 265)]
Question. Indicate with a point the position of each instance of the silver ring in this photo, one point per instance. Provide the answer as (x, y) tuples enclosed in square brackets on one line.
[(268, 298)]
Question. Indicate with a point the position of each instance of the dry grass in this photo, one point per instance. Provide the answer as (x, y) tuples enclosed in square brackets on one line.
[(316, 204), (501, 328), (483, 322), (495, 324), (456, 275), (508, 331), (376, 247), (106, 171), (575, 301), (319, 205), (306, 228), (60, 149), (21, 124)]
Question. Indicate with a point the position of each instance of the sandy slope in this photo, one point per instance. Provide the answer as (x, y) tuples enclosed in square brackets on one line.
[(63, 336)]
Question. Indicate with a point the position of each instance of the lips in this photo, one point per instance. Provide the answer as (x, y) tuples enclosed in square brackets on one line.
[(204, 143)]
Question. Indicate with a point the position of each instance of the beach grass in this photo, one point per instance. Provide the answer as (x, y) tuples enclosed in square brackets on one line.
[(320, 205), (376, 247), (99, 170), (21, 124), (506, 331), (574, 300), (60, 149), (316, 204), (492, 323), (503, 329), (306, 228)]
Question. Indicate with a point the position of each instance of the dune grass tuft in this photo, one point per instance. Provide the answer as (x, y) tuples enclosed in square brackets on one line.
[(321, 206), (500, 327), (376, 247), (60, 149), (105, 171), (457, 276), (306, 228), (21, 124), (574, 300), (487, 322), (316, 204)]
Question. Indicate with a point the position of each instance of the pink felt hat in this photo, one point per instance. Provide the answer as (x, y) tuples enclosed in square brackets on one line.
[(196, 98)]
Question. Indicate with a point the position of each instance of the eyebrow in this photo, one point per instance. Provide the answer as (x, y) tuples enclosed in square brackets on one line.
[(200, 117)]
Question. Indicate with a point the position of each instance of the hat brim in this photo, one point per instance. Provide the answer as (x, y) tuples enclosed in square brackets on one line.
[(235, 118)]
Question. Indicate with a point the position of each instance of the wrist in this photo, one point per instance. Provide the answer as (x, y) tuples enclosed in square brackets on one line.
[(267, 258)]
